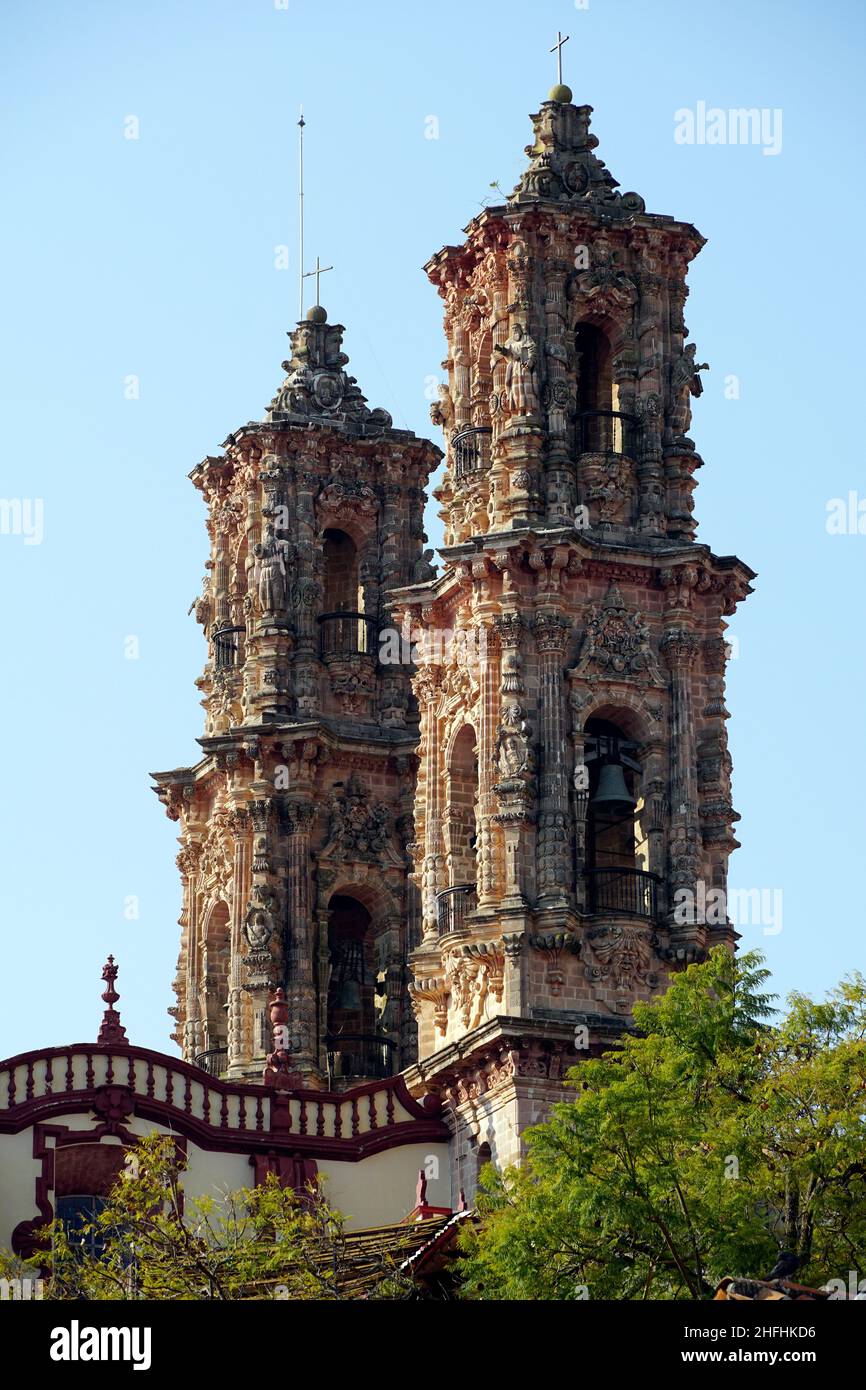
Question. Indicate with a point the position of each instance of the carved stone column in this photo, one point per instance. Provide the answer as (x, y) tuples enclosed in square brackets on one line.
[(488, 708), (188, 863), (427, 688), (554, 821), (514, 764), (560, 490), (237, 1045), (264, 958), (679, 648), (301, 967)]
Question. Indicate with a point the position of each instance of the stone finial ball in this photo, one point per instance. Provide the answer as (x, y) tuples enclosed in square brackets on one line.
[(317, 314), (560, 93)]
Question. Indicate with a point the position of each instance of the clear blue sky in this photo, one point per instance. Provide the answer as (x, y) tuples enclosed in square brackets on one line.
[(155, 258)]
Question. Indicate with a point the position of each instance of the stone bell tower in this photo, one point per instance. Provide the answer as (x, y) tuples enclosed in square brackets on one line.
[(295, 820), (574, 783)]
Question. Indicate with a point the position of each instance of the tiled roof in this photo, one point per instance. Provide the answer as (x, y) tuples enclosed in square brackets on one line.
[(370, 1259)]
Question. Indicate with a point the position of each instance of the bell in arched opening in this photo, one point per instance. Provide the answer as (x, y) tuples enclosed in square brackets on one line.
[(612, 798), (348, 967)]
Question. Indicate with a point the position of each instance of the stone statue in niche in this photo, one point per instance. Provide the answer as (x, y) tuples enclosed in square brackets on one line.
[(442, 411), (271, 572), (513, 751), (423, 569), (203, 605), (522, 355), (684, 373), (258, 927)]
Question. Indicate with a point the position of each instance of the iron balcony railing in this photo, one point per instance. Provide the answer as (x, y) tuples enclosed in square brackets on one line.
[(630, 891), (226, 647), (359, 1054), (347, 634), (607, 432), (470, 450), (213, 1061), (452, 907)]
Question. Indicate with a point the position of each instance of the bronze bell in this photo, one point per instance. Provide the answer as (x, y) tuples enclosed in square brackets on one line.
[(613, 797), (349, 996)]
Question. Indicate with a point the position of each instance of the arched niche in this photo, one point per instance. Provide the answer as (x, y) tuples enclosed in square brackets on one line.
[(356, 1045), (216, 961), (461, 806)]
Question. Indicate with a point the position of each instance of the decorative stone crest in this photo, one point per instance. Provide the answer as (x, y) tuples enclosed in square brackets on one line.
[(359, 828), (616, 645)]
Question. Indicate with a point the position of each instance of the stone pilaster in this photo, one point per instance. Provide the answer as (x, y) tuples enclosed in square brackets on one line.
[(679, 648), (301, 988), (488, 711), (554, 820)]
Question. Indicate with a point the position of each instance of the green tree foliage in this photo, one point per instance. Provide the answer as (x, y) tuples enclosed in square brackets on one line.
[(706, 1145)]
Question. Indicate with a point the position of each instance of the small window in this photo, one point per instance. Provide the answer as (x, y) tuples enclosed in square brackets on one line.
[(77, 1212)]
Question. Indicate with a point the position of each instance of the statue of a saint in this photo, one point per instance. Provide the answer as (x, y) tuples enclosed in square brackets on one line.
[(271, 572), (520, 372)]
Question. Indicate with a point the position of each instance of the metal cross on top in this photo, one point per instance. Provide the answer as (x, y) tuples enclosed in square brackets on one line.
[(557, 49), (318, 272)]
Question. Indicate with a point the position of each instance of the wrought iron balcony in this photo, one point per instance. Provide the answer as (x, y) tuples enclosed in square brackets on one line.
[(359, 1054), (347, 634), (632, 892), (226, 646), (213, 1061), (452, 906), (470, 450), (607, 432)]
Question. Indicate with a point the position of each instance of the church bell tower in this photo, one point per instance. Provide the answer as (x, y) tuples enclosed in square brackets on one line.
[(295, 820), (573, 804)]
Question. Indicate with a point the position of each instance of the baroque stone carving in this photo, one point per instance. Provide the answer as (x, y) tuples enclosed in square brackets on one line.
[(513, 747), (617, 643), (623, 955), (521, 353), (359, 828), (316, 384)]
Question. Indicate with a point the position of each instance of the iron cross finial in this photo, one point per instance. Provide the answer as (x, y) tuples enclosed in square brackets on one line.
[(318, 272), (557, 49)]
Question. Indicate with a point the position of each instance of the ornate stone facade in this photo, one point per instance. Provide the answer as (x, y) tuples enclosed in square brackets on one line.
[(303, 794), (493, 833), (596, 622)]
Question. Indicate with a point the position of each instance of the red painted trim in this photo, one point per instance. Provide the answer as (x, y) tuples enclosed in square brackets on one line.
[(397, 1083), (425, 1128), (24, 1242)]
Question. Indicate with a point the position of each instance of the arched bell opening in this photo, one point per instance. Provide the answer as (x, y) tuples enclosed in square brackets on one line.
[(460, 831), (603, 427), (344, 623), (617, 843), (355, 1043), (216, 959)]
